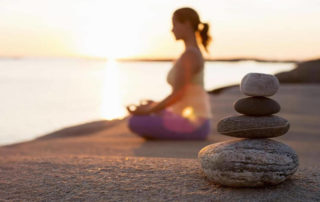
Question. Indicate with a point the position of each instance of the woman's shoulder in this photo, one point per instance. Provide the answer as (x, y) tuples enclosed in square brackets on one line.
[(193, 54), (192, 57), (193, 51)]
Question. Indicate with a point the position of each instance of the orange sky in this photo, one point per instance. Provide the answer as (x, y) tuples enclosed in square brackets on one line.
[(286, 29)]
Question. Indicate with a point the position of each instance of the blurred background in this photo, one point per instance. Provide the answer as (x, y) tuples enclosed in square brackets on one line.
[(68, 62)]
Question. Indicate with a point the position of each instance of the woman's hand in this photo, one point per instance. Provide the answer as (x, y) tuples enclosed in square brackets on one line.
[(144, 108), (147, 102)]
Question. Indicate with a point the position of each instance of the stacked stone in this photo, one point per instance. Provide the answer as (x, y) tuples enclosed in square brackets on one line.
[(255, 160)]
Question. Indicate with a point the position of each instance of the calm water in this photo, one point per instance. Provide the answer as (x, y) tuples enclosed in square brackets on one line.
[(42, 95)]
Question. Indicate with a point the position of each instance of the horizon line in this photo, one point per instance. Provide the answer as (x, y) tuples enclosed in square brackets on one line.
[(161, 59)]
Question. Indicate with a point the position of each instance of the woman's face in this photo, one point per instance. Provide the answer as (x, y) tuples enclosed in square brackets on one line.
[(178, 28)]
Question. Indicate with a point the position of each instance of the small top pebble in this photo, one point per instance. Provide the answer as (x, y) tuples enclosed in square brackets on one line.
[(259, 84)]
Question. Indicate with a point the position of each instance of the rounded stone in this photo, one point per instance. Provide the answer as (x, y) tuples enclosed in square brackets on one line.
[(256, 106), (253, 126), (258, 84), (248, 162)]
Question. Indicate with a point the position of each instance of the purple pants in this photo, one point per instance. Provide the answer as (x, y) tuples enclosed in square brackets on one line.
[(166, 125)]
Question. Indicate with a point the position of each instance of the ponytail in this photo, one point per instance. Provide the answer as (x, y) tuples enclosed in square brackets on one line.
[(190, 15), (205, 38)]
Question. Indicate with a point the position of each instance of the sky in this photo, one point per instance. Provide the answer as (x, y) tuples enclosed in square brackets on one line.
[(270, 29)]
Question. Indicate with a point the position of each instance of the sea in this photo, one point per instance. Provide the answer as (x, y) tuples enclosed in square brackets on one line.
[(41, 95)]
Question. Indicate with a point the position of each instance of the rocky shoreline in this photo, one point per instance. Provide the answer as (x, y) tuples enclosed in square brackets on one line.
[(306, 72)]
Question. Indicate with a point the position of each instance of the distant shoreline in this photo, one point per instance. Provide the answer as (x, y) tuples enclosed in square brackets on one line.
[(239, 59), (213, 60)]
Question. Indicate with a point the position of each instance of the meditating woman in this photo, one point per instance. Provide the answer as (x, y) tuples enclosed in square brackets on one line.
[(185, 113)]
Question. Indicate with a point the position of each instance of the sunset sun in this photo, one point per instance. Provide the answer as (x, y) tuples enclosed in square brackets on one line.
[(106, 33)]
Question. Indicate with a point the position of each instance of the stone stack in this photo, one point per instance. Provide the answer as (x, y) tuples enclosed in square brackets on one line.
[(254, 160)]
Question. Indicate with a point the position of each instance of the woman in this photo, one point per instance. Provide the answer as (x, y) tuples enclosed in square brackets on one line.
[(185, 113)]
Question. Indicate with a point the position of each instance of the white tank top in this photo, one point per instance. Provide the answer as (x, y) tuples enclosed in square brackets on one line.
[(196, 102)]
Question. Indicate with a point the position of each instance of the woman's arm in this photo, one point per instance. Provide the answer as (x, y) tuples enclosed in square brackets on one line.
[(175, 96), (188, 66)]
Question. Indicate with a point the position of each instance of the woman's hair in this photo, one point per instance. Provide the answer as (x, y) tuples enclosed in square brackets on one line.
[(190, 15)]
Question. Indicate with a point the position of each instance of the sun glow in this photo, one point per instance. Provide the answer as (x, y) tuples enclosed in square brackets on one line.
[(106, 32), (188, 113), (112, 107)]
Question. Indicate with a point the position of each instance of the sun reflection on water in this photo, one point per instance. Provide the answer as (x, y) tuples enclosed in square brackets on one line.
[(112, 107)]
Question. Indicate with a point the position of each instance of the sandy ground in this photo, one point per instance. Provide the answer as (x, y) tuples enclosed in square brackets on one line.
[(105, 161)]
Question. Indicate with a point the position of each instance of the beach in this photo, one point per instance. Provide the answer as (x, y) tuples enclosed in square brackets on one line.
[(103, 160)]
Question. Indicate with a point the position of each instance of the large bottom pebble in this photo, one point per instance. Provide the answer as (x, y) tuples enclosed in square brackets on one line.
[(248, 162)]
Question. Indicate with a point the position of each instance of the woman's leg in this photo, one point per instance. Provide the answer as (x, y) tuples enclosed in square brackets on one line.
[(148, 126), (201, 132), (166, 126)]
